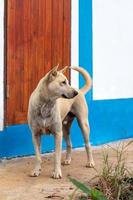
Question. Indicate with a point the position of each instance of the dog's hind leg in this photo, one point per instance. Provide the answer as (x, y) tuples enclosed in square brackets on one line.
[(36, 137), (84, 125), (66, 134)]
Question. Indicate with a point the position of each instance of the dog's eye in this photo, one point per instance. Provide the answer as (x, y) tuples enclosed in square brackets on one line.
[(64, 82)]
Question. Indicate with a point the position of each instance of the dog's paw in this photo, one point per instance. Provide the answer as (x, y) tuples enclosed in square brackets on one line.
[(90, 164), (66, 162), (35, 172), (57, 174)]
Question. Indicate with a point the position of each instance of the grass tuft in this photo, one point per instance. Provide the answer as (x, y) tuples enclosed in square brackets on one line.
[(114, 182), (116, 179)]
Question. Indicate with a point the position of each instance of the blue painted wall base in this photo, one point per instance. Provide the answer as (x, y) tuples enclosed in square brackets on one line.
[(109, 121), (17, 141)]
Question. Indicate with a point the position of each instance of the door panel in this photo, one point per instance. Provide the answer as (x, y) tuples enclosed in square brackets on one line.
[(38, 38)]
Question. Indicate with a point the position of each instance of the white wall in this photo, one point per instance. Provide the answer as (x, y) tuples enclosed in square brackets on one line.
[(1, 63), (75, 42), (112, 49)]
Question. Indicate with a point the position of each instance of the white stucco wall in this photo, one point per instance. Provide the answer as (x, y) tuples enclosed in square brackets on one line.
[(1, 63), (112, 49)]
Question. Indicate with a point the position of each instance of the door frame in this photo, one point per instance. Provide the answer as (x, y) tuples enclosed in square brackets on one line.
[(74, 52)]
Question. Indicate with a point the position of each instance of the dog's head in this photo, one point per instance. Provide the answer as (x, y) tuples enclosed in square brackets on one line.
[(58, 85)]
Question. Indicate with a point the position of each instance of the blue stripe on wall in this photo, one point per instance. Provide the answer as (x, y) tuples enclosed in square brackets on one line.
[(109, 121), (85, 39), (17, 141)]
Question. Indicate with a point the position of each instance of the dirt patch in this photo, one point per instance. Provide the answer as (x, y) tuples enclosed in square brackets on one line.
[(15, 183)]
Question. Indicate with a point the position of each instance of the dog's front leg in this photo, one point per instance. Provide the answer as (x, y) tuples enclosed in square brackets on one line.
[(57, 163), (36, 141)]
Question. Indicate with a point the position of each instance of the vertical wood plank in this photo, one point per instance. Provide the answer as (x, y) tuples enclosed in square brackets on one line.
[(57, 32), (48, 37), (10, 60), (67, 34), (27, 39), (19, 54), (41, 38), (33, 48)]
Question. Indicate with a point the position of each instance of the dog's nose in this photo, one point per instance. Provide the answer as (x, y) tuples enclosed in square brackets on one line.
[(75, 93)]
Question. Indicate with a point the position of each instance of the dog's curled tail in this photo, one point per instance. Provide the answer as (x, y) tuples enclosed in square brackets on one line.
[(87, 77)]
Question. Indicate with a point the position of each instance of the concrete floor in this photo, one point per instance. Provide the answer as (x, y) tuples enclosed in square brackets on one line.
[(16, 184)]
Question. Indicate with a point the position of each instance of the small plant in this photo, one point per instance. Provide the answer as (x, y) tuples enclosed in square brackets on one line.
[(116, 180), (94, 194)]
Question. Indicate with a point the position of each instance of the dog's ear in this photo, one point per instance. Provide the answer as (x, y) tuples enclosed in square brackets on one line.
[(56, 67), (53, 73), (64, 69)]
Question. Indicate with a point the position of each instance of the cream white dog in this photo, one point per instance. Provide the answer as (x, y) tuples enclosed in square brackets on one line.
[(53, 105)]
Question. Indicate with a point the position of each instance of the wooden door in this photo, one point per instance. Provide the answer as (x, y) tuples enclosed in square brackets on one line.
[(38, 37)]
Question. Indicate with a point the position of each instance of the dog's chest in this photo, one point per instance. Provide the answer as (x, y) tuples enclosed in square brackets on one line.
[(49, 115), (48, 111)]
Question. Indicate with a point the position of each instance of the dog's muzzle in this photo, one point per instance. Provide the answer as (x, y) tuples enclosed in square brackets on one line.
[(75, 93), (71, 95)]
